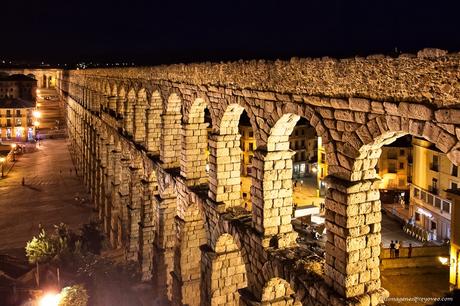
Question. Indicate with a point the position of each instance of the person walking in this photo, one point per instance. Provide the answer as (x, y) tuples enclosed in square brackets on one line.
[(409, 254), (397, 246), (392, 249)]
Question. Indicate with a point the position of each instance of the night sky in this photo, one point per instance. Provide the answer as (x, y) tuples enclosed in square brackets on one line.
[(155, 32)]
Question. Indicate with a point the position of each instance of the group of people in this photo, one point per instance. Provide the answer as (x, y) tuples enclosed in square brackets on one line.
[(395, 246)]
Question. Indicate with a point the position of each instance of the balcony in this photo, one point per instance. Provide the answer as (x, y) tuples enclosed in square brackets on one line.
[(431, 200)]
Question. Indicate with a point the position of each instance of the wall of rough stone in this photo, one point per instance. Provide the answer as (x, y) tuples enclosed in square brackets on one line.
[(355, 105)]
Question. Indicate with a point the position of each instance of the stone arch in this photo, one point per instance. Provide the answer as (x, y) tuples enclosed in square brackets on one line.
[(272, 186), (225, 159), (153, 123), (194, 144), (128, 112), (170, 144), (353, 199), (227, 273), (121, 98), (278, 292)]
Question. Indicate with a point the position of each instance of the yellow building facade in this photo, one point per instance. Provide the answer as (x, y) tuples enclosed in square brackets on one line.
[(433, 173)]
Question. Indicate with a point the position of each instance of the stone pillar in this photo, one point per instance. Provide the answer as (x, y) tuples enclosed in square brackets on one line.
[(193, 153), (114, 201), (113, 103), (134, 214), (353, 239), (271, 194), (123, 213), (153, 131), (224, 169), (148, 226), (170, 139), (120, 106), (128, 116), (165, 242), (139, 123)]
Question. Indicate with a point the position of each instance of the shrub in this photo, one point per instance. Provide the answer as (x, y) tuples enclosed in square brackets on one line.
[(75, 295)]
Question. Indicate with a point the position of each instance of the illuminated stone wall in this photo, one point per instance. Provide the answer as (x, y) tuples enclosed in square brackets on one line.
[(163, 209)]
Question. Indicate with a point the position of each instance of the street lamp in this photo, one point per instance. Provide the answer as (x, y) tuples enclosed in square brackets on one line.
[(2, 160), (36, 114)]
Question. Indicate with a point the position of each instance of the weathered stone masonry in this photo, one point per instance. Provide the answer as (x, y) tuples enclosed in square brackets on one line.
[(139, 141)]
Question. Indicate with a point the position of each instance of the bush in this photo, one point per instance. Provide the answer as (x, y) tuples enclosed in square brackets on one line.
[(75, 295), (43, 248)]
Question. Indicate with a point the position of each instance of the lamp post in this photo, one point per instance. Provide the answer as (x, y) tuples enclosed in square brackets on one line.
[(2, 160)]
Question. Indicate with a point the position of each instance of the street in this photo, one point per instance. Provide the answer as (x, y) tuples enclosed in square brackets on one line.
[(47, 198)]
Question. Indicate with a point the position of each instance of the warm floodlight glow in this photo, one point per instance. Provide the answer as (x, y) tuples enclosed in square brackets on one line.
[(37, 114), (2, 159), (36, 123), (314, 170), (13, 145), (443, 260), (50, 299)]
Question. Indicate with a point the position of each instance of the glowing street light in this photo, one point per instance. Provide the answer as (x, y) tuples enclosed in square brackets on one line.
[(13, 147), (36, 123), (37, 114)]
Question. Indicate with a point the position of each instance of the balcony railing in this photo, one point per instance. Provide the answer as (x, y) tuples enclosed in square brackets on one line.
[(431, 199)]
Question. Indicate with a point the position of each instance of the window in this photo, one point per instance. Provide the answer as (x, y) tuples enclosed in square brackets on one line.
[(323, 157), (8, 113), (251, 146), (8, 122), (434, 185), (303, 144), (417, 216), (433, 225), (401, 152), (401, 166), (391, 168), (454, 170), (251, 134), (18, 113), (250, 159), (435, 163), (453, 185), (446, 206)]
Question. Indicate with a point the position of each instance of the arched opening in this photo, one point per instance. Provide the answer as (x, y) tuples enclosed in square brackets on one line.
[(278, 292), (417, 214), (248, 147), (227, 159), (121, 98), (228, 272)]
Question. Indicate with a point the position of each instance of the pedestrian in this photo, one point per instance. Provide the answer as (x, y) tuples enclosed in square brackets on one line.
[(23, 181), (392, 249), (409, 254), (397, 246)]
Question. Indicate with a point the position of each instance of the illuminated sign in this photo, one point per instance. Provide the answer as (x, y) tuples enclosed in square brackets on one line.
[(424, 212)]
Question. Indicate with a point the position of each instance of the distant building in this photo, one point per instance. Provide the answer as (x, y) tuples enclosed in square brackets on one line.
[(304, 143), (17, 103), (248, 145), (433, 173), (395, 165), (321, 168)]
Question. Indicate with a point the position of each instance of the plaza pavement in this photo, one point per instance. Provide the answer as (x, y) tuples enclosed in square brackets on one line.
[(48, 197)]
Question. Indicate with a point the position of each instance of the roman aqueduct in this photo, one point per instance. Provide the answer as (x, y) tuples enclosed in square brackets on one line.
[(139, 139)]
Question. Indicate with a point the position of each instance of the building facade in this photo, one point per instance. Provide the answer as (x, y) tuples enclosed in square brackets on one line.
[(17, 103), (433, 174)]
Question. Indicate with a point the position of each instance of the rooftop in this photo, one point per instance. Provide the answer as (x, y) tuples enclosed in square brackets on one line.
[(16, 77), (16, 103)]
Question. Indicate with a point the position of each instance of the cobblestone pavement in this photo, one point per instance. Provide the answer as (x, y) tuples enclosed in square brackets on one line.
[(48, 197)]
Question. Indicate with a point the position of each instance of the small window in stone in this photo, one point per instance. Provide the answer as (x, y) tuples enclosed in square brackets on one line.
[(401, 166), (454, 170), (323, 157)]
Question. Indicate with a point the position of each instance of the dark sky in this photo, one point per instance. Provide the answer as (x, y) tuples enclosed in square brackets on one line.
[(153, 32)]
